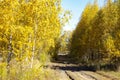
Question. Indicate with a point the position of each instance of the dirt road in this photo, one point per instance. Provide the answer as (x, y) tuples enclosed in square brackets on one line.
[(68, 71)]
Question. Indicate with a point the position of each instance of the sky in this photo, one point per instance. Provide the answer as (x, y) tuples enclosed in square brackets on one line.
[(76, 8)]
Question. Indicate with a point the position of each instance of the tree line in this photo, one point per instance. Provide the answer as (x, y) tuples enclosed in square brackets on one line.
[(96, 39), (29, 29)]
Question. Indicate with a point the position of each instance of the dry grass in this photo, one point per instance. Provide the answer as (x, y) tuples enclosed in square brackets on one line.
[(112, 74), (22, 71)]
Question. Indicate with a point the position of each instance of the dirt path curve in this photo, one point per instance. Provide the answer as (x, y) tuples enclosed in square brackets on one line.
[(68, 71)]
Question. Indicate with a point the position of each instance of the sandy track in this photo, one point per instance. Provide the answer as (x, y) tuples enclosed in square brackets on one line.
[(64, 70)]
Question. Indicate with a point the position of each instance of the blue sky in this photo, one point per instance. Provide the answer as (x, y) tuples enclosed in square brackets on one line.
[(76, 7)]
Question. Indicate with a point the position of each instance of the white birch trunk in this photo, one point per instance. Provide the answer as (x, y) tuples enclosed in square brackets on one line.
[(34, 44)]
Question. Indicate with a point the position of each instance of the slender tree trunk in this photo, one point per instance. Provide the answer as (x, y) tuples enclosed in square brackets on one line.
[(34, 43), (9, 53), (33, 53), (28, 47)]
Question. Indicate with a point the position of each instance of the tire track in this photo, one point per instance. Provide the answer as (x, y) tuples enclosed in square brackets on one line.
[(70, 77), (107, 76), (88, 76), (80, 76), (71, 71)]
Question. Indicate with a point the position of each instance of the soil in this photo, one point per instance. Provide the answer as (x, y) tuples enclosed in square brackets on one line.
[(70, 71)]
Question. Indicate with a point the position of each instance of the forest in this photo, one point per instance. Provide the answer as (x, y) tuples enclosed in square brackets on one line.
[(96, 39), (32, 39)]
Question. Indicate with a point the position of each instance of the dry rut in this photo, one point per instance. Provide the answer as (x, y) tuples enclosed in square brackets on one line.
[(68, 71)]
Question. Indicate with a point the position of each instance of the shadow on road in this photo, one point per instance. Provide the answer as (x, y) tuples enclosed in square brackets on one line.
[(64, 63), (74, 68)]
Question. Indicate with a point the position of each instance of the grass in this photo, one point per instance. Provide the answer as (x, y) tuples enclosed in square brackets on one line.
[(112, 74), (22, 71)]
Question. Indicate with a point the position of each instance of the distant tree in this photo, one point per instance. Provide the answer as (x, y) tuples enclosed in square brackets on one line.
[(81, 36)]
